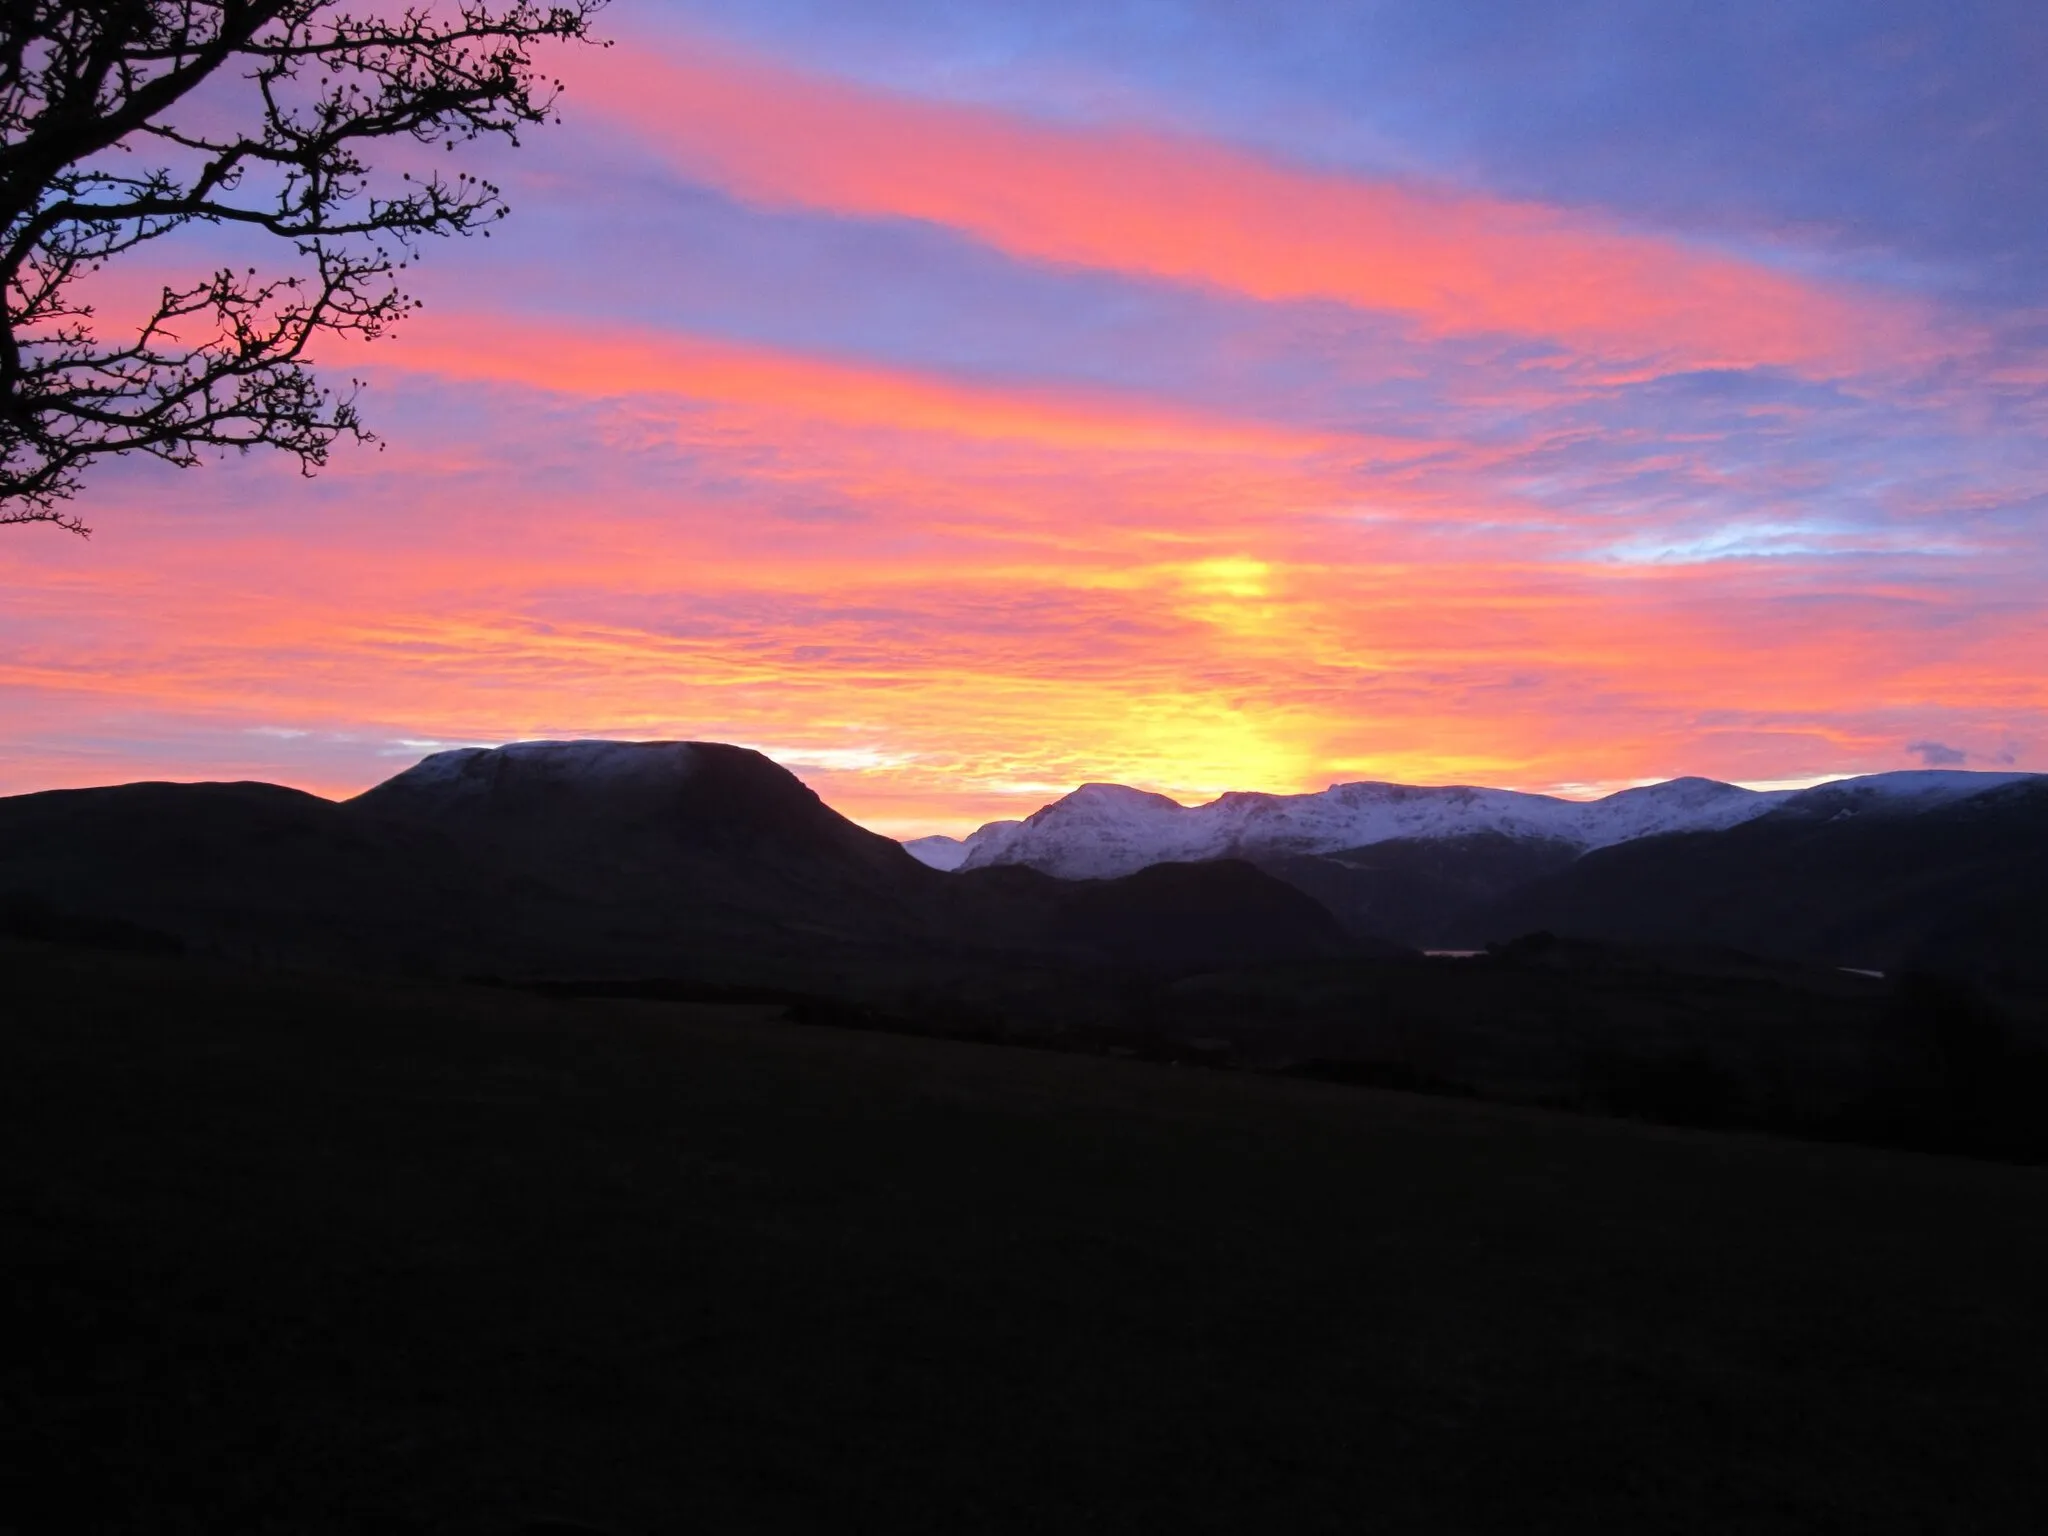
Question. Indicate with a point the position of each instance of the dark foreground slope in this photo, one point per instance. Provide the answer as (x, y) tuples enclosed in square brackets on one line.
[(333, 1257)]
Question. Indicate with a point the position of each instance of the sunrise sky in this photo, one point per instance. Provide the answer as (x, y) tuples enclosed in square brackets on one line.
[(960, 401)]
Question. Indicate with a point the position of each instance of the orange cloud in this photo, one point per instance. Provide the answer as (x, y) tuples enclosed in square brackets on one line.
[(1035, 478), (1017, 588), (931, 684), (1193, 211)]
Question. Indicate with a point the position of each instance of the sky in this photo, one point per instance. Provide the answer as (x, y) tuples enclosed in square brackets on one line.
[(962, 401)]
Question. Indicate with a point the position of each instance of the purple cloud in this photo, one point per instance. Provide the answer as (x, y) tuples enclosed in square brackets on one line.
[(1933, 754)]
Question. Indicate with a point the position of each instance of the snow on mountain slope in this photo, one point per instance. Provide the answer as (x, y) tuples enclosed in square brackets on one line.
[(938, 850), (1904, 792), (1676, 805), (465, 779), (1106, 830)]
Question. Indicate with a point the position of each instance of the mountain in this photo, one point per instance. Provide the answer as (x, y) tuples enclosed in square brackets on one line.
[(680, 827), (539, 858), (594, 860), (1926, 865), (1905, 792), (1943, 870), (1103, 830), (710, 863), (938, 851)]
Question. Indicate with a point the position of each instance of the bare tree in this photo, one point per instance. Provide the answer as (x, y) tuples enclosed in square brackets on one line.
[(122, 121)]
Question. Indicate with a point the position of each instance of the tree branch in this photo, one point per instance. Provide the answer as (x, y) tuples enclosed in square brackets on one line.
[(82, 83)]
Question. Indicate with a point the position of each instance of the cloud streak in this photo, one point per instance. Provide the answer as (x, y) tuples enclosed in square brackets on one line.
[(1199, 212)]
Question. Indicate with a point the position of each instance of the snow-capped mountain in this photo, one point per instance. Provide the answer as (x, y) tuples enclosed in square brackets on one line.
[(1904, 792), (940, 851), (1106, 830)]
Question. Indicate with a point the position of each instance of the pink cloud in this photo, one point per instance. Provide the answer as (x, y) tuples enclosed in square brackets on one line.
[(1193, 211)]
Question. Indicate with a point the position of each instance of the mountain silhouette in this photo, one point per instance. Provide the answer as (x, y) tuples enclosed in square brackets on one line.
[(593, 860)]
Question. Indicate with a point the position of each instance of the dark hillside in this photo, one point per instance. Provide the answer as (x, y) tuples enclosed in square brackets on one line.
[(1964, 884), (627, 821), (667, 859), (1166, 919), (1176, 918), (1422, 891), (250, 870)]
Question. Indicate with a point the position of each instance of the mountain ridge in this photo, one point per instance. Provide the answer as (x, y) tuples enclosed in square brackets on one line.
[(1103, 830), (599, 860), (593, 860)]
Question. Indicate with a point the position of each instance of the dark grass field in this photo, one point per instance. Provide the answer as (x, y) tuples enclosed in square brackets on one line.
[(292, 1255)]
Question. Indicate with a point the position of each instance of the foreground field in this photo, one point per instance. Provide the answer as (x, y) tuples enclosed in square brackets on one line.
[(302, 1256)]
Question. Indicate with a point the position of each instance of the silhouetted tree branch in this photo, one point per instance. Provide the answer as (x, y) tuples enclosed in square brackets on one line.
[(125, 120)]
